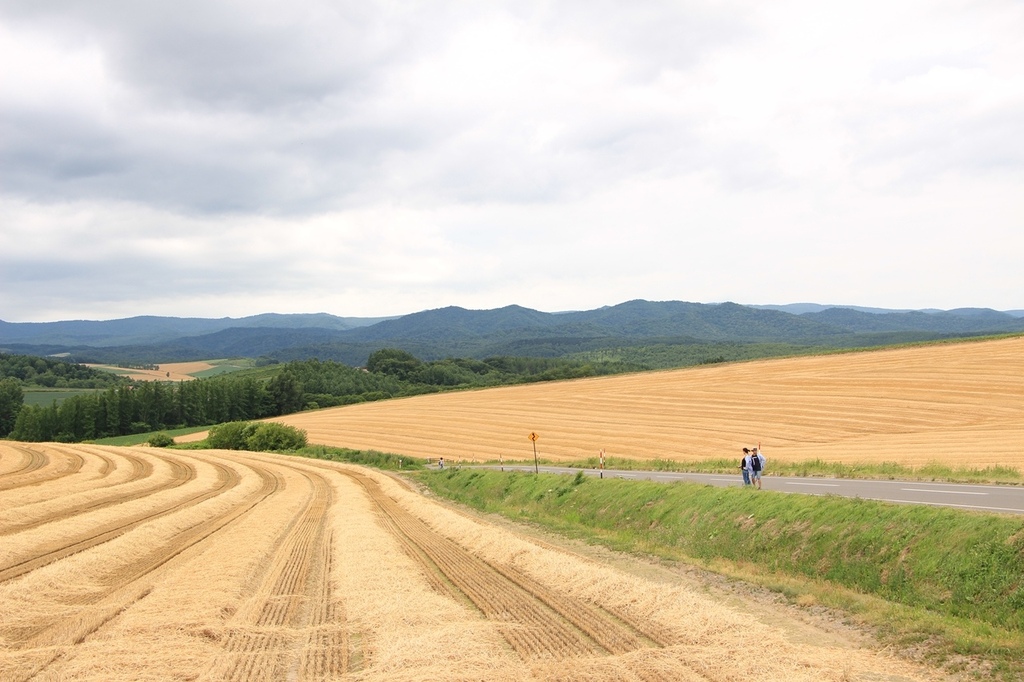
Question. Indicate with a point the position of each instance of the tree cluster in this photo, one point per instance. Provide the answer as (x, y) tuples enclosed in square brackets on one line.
[(468, 372), (257, 437), (47, 373), (146, 406), (11, 400)]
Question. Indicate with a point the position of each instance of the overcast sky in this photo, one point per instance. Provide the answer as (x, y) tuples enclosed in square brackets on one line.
[(212, 159)]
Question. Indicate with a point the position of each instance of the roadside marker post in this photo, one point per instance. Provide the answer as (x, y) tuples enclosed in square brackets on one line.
[(536, 466), (601, 456)]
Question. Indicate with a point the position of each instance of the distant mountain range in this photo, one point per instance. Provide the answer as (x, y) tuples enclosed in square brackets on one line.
[(512, 330), (150, 329)]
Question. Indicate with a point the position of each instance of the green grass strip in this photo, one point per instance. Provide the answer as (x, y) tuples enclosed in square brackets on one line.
[(371, 458), (140, 438), (933, 471)]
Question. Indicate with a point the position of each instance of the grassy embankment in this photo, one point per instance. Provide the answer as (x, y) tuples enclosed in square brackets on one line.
[(944, 581), (370, 458)]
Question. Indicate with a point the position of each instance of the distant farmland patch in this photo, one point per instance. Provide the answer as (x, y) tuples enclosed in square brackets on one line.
[(179, 371)]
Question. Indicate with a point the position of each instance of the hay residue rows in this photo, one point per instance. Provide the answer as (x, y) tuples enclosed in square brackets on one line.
[(701, 639), (281, 568)]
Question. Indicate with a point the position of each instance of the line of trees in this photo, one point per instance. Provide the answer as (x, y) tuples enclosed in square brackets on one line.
[(140, 407), (11, 400), (29, 370), (144, 406)]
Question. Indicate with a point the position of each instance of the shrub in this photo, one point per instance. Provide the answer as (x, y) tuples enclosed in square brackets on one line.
[(230, 436), (160, 440), (260, 436), (269, 436)]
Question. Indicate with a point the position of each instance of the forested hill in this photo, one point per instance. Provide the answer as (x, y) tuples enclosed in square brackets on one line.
[(508, 331), (148, 329)]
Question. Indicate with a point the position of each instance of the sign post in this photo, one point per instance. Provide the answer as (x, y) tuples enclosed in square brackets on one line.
[(536, 466)]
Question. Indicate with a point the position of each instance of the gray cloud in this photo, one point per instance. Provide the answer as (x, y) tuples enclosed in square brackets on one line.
[(258, 108), (258, 55), (153, 154)]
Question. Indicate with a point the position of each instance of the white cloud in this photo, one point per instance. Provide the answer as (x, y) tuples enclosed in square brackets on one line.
[(379, 158)]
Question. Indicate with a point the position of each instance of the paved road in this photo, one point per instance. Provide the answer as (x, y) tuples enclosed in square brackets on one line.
[(990, 498)]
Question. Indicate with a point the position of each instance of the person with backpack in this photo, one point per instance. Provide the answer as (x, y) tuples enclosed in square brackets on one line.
[(756, 466), (744, 469)]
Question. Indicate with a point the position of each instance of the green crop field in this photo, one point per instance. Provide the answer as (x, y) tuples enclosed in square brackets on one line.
[(46, 396)]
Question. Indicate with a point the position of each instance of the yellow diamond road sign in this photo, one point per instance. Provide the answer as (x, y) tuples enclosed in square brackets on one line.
[(534, 436)]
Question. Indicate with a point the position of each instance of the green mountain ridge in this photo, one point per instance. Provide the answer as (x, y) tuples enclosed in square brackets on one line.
[(511, 330), (149, 329)]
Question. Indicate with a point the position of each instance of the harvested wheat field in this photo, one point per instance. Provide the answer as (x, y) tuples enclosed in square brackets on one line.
[(171, 371), (955, 403), (148, 564)]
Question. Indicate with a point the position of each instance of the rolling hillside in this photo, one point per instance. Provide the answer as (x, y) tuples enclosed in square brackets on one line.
[(959, 403)]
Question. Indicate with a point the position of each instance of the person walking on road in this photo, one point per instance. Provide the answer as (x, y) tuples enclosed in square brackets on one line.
[(756, 465), (744, 468)]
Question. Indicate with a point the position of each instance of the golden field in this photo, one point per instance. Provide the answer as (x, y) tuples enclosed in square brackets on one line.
[(956, 403), (144, 564), (170, 371)]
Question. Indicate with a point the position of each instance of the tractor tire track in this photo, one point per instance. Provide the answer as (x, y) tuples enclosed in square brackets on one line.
[(141, 470), (31, 458), (130, 584), (297, 630), (537, 622), (42, 468), (326, 654), (659, 634), (184, 473)]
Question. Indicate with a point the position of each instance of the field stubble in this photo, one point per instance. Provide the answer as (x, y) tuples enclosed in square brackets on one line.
[(172, 371), (960, 404), (262, 567)]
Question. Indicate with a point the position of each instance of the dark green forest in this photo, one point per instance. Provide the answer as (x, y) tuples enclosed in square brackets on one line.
[(49, 373)]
